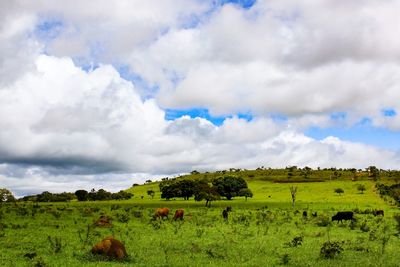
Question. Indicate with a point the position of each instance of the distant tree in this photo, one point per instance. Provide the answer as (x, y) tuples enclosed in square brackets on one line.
[(6, 196), (361, 188), (168, 189), (373, 172), (135, 184), (82, 195), (245, 192), (339, 191), (45, 196), (293, 193), (148, 181), (103, 195), (151, 193), (229, 186), (203, 191), (194, 172), (185, 188), (121, 195)]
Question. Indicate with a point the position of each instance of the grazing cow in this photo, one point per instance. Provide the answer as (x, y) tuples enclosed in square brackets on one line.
[(314, 214), (225, 214), (161, 213), (378, 212), (110, 247), (178, 214), (343, 215), (305, 214)]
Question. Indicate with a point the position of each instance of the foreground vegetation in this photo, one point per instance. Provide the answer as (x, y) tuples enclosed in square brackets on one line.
[(268, 229)]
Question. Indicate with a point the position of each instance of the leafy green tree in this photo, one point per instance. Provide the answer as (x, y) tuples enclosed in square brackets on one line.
[(45, 196), (81, 195), (203, 191), (168, 189), (245, 192), (229, 186), (121, 195), (373, 172), (151, 193), (361, 188), (185, 188), (6, 195)]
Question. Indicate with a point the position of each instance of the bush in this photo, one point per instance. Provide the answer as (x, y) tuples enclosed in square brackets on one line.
[(296, 241), (331, 249), (323, 221)]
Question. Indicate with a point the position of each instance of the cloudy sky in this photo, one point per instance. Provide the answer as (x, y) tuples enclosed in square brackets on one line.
[(109, 93)]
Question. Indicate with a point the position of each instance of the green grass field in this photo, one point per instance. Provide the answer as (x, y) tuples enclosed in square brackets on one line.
[(259, 231)]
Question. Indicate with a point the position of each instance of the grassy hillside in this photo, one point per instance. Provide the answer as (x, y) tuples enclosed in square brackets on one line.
[(271, 187), (262, 231)]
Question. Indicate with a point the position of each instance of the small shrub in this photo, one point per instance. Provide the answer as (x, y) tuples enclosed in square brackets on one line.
[(296, 241), (123, 217), (323, 221), (137, 214), (331, 249), (199, 232), (285, 259), (55, 245), (56, 214), (115, 207), (365, 227), (397, 219)]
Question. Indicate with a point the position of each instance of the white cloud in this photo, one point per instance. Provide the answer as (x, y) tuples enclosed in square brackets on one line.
[(63, 126)]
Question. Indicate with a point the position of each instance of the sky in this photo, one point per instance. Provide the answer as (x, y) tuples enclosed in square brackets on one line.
[(104, 94)]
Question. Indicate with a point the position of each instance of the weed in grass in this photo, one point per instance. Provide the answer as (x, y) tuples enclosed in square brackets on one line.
[(331, 249), (55, 244), (295, 242), (285, 259)]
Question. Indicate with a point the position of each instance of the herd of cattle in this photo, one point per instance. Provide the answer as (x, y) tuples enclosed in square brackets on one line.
[(114, 249)]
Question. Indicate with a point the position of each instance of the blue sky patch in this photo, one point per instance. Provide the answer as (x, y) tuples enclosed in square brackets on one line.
[(172, 114), (49, 29), (243, 3), (361, 133), (389, 112)]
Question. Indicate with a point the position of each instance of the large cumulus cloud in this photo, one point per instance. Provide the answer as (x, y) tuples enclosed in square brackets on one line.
[(69, 120)]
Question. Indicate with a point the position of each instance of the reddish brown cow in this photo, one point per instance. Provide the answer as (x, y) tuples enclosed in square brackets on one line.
[(178, 214), (161, 213)]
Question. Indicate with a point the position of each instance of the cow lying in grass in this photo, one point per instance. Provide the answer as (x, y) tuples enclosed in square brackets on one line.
[(110, 247)]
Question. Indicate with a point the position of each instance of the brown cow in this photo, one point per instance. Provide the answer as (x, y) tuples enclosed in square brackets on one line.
[(178, 214), (161, 213), (110, 247)]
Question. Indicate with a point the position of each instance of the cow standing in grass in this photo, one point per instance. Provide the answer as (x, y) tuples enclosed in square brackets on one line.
[(343, 215), (378, 212), (225, 212), (178, 214), (161, 213)]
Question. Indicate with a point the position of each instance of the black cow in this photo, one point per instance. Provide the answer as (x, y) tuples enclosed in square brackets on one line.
[(343, 215), (305, 214), (378, 212), (314, 214), (225, 214)]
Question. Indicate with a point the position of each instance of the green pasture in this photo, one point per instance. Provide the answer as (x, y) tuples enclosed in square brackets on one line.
[(259, 231)]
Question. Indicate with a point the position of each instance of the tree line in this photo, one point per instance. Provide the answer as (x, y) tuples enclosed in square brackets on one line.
[(203, 189), (80, 195)]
